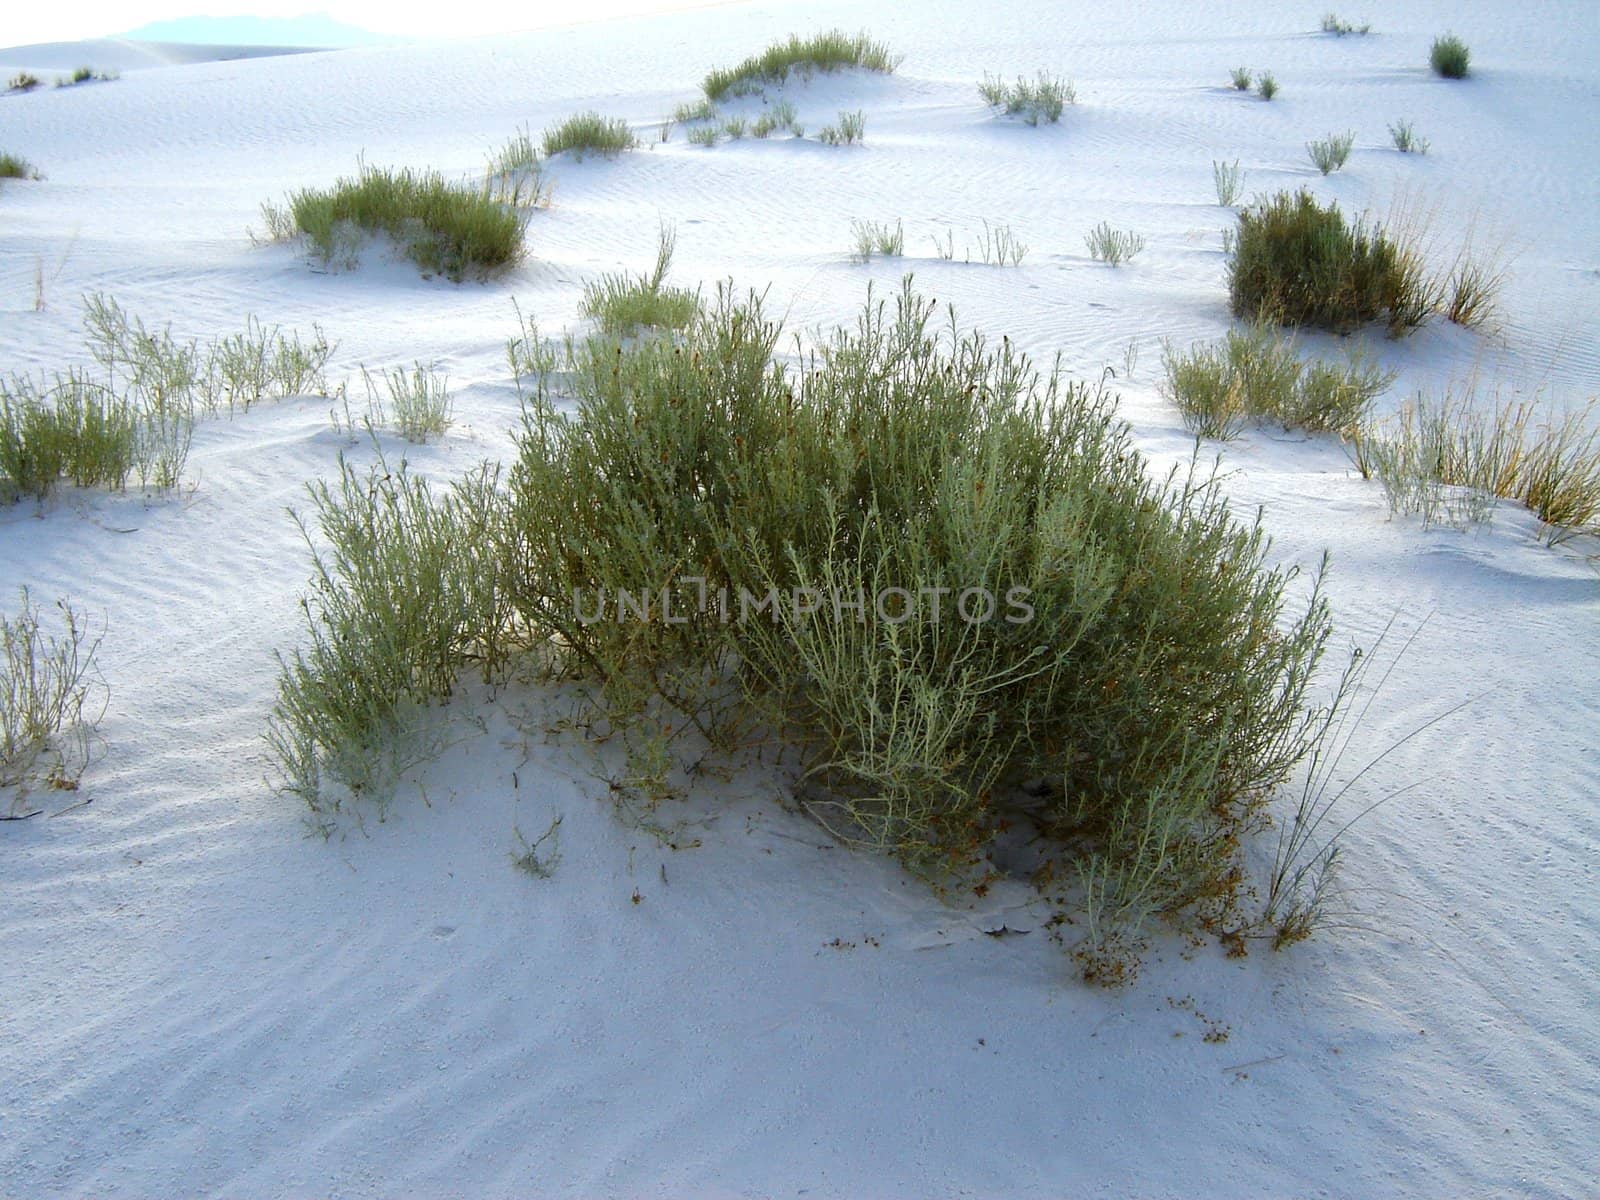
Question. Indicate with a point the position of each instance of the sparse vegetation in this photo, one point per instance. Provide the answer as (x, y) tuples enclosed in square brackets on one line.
[(1136, 716), (1448, 462), (13, 166), (1255, 375), (589, 133), (1113, 246), (1043, 99), (733, 128), (1266, 86), (1406, 139), (1228, 181), (832, 51), (624, 304), (1332, 24), (515, 176), (450, 228), (850, 130), (1332, 152), (697, 110), (48, 683), (1449, 57), (997, 246), (1241, 78), (874, 237), (703, 135), (23, 81), (418, 405)]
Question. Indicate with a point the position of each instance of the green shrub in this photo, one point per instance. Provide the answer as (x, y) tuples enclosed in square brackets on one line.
[(1449, 461), (23, 82), (1241, 78), (1266, 86), (446, 227), (780, 116), (704, 135), (623, 304), (873, 237), (832, 51), (515, 176), (15, 167), (1041, 100), (1114, 246), (1406, 139), (699, 110), (418, 405), (850, 130), (1332, 24), (1332, 152), (1449, 57), (1226, 177), (1297, 262), (589, 132), (47, 682), (734, 128), (1253, 375)]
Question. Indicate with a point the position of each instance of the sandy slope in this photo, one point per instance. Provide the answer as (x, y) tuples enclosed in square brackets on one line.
[(197, 998)]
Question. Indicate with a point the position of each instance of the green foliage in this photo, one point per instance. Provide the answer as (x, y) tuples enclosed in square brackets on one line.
[(1241, 78), (1449, 57), (1113, 246), (780, 116), (444, 227), (1298, 262), (1331, 152), (23, 81), (698, 110), (832, 51), (1266, 85), (418, 405), (515, 175), (1332, 24), (13, 166), (850, 130), (1227, 178), (46, 684), (589, 132), (622, 304), (1449, 461), (1041, 100), (874, 237), (1406, 139), (734, 128), (1254, 375), (704, 135)]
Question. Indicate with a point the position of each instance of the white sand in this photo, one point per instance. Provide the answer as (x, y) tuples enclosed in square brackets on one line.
[(197, 998)]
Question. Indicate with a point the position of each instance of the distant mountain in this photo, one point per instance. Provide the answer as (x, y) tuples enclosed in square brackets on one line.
[(312, 29)]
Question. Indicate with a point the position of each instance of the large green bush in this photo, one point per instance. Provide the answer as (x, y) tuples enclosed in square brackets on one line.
[(946, 580)]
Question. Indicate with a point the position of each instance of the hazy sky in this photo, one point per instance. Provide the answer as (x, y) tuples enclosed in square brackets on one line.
[(29, 23)]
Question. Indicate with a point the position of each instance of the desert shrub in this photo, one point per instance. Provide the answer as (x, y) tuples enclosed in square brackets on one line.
[(1255, 375), (23, 81), (402, 600), (13, 166), (1114, 246), (1241, 78), (1448, 461), (1153, 694), (850, 129), (1332, 152), (832, 51), (622, 304), (875, 237), (1449, 57), (47, 687), (1406, 139), (418, 404), (1332, 24), (1266, 86), (451, 228), (1227, 179), (704, 135), (1298, 262), (1471, 289), (589, 132), (1042, 99)]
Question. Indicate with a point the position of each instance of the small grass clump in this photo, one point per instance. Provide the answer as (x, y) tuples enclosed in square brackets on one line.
[(691, 112), (14, 166), (1266, 86), (1255, 375), (1042, 99), (589, 133), (1241, 78), (1299, 263), (418, 405), (23, 81), (47, 686), (1332, 24), (875, 237), (781, 115), (1113, 246), (823, 52), (1113, 668), (623, 304), (1228, 181), (515, 175), (704, 135), (734, 128), (450, 228), (1332, 152), (1406, 139), (850, 130), (1449, 57), (1449, 461)]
